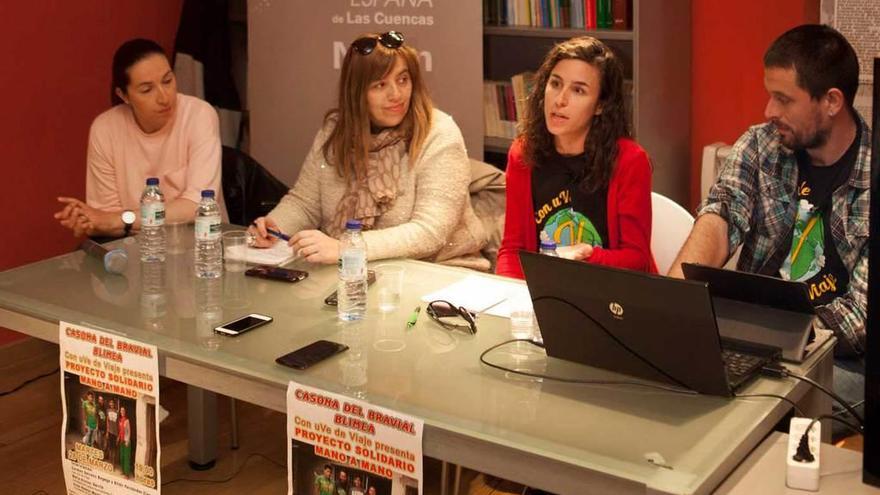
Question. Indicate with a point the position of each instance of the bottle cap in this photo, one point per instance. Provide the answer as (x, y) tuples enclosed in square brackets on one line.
[(152, 181), (353, 225), (548, 245), (208, 193)]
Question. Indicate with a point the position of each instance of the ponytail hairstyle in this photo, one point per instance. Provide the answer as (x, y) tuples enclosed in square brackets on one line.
[(128, 54)]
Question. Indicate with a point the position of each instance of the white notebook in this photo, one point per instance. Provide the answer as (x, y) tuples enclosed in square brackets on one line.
[(278, 254)]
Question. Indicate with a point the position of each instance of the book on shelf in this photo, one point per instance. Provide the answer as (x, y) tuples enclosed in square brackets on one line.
[(590, 14), (603, 14), (621, 17), (490, 13), (545, 13), (565, 13), (522, 84), (504, 104), (577, 14), (574, 14), (523, 12), (536, 12), (495, 110)]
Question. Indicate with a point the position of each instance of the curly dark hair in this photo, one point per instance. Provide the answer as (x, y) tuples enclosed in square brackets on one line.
[(607, 127)]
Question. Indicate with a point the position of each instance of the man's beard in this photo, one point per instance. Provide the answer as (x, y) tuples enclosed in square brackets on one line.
[(815, 140)]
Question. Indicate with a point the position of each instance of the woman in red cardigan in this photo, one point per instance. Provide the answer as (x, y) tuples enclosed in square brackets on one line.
[(574, 175)]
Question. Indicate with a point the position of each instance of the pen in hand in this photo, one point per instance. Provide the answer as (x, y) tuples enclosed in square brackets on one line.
[(413, 317), (280, 235)]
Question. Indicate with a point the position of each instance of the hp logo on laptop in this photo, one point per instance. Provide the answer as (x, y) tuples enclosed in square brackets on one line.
[(616, 310)]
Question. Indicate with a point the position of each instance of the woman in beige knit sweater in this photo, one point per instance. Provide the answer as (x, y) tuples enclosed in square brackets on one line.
[(361, 166)]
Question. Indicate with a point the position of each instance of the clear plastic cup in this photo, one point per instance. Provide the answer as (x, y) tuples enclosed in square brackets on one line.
[(389, 285), (176, 234), (522, 324), (235, 244)]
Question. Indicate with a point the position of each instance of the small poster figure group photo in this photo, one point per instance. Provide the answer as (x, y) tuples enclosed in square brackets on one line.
[(102, 429)]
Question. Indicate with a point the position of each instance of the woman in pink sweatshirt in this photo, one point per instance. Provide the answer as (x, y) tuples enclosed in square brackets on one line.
[(151, 131)]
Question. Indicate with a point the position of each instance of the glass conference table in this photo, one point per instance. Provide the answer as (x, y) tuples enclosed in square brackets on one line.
[(565, 438)]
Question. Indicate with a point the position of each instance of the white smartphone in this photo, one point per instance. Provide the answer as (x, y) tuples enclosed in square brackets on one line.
[(243, 324)]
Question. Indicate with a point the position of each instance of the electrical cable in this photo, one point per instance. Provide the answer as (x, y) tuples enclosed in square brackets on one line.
[(28, 382), (774, 372), (780, 371), (855, 414), (800, 413), (572, 380), (774, 396), (232, 476), (854, 428), (854, 405), (613, 337), (803, 453), (858, 403)]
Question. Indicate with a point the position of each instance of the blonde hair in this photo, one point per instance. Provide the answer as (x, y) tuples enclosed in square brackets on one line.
[(348, 144)]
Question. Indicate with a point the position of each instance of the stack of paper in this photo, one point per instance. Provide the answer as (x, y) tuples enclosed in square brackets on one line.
[(485, 295)]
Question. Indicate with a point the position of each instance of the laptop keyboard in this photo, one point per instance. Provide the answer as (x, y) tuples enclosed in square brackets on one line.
[(740, 366)]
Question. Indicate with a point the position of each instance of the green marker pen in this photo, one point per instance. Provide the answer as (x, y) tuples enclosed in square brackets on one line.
[(413, 317)]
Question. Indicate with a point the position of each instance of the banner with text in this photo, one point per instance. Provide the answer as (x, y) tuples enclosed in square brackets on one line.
[(109, 431), (342, 445), (295, 52)]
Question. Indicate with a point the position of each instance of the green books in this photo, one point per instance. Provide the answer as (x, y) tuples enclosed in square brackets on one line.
[(604, 19)]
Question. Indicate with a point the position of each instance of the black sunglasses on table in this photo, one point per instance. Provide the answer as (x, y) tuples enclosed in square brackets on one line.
[(452, 317), (365, 46)]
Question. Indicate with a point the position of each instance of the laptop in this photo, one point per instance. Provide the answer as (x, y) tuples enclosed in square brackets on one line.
[(647, 326), (759, 308)]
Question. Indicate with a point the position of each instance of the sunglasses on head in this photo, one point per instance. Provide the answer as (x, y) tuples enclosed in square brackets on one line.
[(452, 317), (365, 46)]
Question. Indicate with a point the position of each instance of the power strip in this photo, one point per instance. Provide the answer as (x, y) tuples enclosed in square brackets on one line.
[(801, 472)]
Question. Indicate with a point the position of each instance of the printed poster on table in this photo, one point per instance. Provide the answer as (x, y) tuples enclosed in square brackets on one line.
[(109, 433), (343, 445)]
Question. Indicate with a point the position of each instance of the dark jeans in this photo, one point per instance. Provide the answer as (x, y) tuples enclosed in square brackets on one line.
[(849, 384)]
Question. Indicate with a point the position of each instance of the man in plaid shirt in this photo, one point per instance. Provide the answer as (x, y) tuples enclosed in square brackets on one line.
[(795, 191)]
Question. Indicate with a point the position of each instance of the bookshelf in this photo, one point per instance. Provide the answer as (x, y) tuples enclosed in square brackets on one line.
[(656, 56), (557, 33)]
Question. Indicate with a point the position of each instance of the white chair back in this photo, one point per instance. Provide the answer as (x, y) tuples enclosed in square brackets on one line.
[(713, 159), (670, 226), (714, 156)]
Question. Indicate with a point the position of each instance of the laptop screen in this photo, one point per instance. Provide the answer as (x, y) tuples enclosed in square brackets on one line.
[(752, 288)]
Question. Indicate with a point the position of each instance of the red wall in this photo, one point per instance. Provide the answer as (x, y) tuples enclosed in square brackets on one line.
[(55, 59), (728, 44)]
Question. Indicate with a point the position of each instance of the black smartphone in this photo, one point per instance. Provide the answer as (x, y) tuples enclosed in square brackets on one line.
[(333, 299), (311, 354), (243, 324), (277, 273)]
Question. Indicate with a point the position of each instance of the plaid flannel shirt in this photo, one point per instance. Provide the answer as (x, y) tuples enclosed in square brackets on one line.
[(756, 194)]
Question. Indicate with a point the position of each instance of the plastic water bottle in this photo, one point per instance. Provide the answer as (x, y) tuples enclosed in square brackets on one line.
[(154, 299), (209, 252), (152, 222), (548, 248), (209, 311), (352, 286)]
